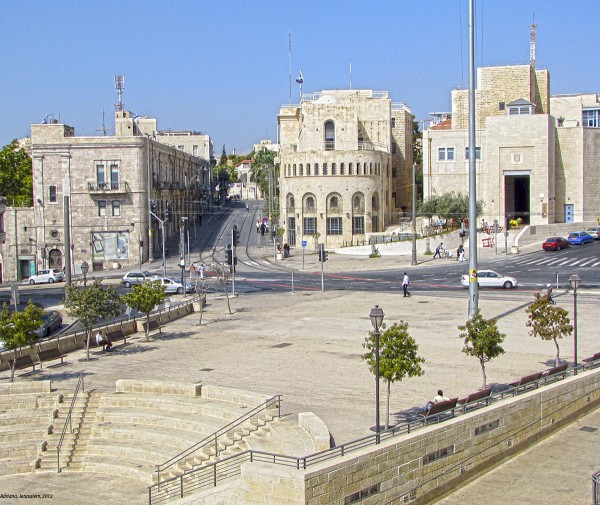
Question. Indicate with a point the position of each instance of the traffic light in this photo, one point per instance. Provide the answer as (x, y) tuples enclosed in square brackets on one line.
[(323, 255), (229, 255), (235, 234)]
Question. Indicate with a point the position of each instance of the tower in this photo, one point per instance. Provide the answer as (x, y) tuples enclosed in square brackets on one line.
[(119, 85)]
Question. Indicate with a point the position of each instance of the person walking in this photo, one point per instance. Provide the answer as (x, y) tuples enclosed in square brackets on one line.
[(201, 271), (438, 250), (405, 283)]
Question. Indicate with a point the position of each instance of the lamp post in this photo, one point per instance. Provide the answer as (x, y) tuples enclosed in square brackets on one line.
[(376, 316), (85, 268), (575, 281), (182, 266)]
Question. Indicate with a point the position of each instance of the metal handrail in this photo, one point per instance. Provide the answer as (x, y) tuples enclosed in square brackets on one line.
[(209, 475), (214, 437), (68, 419), (596, 488)]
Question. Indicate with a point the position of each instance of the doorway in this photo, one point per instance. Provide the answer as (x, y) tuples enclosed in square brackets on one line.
[(291, 229), (516, 196)]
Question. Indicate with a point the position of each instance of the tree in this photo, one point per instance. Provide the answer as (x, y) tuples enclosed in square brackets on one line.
[(482, 340), (548, 322), (92, 304), (398, 357), (17, 329), (16, 181), (144, 297), (449, 206), (262, 166), (223, 158)]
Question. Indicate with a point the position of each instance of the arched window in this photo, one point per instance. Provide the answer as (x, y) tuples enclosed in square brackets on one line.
[(301, 169), (358, 204), (308, 169), (291, 204), (329, 136), (309, 204), (55, 258), (334, 204), (333, 169), (375, 202)]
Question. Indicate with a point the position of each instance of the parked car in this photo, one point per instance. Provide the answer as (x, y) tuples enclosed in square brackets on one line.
[(555, 244), (490, 279), (52, 321), (131, 278), (175, 286), (594, 231), (49, 275), (579, 238)]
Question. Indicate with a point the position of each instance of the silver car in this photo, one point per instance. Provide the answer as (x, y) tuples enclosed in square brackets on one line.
[(48, 275), (131, 278)]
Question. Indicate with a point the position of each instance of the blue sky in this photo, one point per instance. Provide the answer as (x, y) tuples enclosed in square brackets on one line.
[(221, 66)]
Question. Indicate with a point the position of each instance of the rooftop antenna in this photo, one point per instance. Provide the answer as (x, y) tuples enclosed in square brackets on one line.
[(533, 26), (104, 130), (119, 85), (290, 61), (300, 80)]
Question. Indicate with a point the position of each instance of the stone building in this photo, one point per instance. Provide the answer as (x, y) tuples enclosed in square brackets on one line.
[(533, 151), (345, 161), (113, 185)]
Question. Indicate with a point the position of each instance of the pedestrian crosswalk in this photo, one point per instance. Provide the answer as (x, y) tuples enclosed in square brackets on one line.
[(563, 261)]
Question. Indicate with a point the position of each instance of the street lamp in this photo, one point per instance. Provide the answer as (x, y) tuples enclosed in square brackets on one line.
[(182, 266), (575, 281), (85, 268), (376, 316)]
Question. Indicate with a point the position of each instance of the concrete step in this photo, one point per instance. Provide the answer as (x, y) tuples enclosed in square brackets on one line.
[(19, 465), (111, 468)]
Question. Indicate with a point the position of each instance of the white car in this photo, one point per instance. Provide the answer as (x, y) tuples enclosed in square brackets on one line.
[(131, 278), (594, 231), (175, 286), (490, 279), (48, 275)]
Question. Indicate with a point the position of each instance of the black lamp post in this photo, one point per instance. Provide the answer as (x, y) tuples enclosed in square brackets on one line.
[(85, 268), (182, 266), (376, 316), (575, 281)]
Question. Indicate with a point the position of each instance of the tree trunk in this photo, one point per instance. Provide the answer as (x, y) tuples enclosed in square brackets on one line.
[(12, 369), (87, 343), (227, 296), (201, 311), (557, 362), (147, 328), (483, 373), (387, 405)]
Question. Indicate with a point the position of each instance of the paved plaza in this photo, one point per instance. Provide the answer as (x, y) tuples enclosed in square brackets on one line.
[(307, 347)]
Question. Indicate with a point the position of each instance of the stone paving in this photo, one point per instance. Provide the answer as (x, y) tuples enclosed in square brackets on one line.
[(307, 346)]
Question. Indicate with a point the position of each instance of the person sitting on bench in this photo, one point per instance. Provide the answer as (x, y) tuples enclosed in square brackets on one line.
[(437, 399)]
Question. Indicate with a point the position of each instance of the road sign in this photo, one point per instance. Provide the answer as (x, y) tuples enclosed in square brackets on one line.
[(304, 243)]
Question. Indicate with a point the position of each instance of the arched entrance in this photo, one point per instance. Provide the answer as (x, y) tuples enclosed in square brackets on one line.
[(55, 259)]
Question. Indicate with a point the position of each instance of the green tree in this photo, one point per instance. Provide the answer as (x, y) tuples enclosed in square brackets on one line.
[(91, 305), (262, 168), (16, 182), (144, 297), (398, 357), (449, 206), (17, 329), (548, 322), (482, 340), (223, 158), (417, 144)]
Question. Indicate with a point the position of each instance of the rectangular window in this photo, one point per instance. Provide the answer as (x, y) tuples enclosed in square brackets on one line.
[(394, 148), (102, 208), (310, 225), (195, 150), (116, 208), (350, 169), (308, 169), (114, 177), (334, 226), (394, 172), (294, 172), (342, 169), (180, 148), (52, 194), (100, 176), (591, 118), (517, 110), (446, 154), (324, 168), (333, 169), (393, 122), (358, 225), (477, 153), (501, 105), (316, 169)]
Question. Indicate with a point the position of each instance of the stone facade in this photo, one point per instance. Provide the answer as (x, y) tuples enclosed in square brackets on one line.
[(344, 157), (535, 158), (112, 183)]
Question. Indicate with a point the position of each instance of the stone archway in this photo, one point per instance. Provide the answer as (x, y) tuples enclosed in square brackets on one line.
[(55, 259)]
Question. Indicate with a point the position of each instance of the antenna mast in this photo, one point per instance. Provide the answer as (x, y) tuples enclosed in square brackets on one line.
[(104, 130), (533, 26), (119, 85), (290, 61)]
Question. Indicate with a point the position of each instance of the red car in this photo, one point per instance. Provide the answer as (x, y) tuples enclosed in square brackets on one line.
[(555, 244)]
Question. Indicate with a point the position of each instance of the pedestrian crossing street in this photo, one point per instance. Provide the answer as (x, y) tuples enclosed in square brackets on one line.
[(562, 261)]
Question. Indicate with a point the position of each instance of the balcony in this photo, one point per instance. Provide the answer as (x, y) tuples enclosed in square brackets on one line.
[(108, 187)]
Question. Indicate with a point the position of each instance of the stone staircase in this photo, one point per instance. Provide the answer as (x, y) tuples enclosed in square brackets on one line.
[(27, 421)]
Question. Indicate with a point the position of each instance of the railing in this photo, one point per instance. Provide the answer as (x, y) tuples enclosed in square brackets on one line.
[(596, 488), (115, 187), (68, 420), (212, 474), (214, 438)]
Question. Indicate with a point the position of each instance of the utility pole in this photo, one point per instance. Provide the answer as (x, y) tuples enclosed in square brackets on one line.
[(67, 235), (162, 227)]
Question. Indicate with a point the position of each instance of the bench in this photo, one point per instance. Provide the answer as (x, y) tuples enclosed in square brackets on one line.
[(153, 325), (476, 398), (527, 381), (116, 335), (592, 359), (439, 409), (50, 355), (555, 373), (23, 362)]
